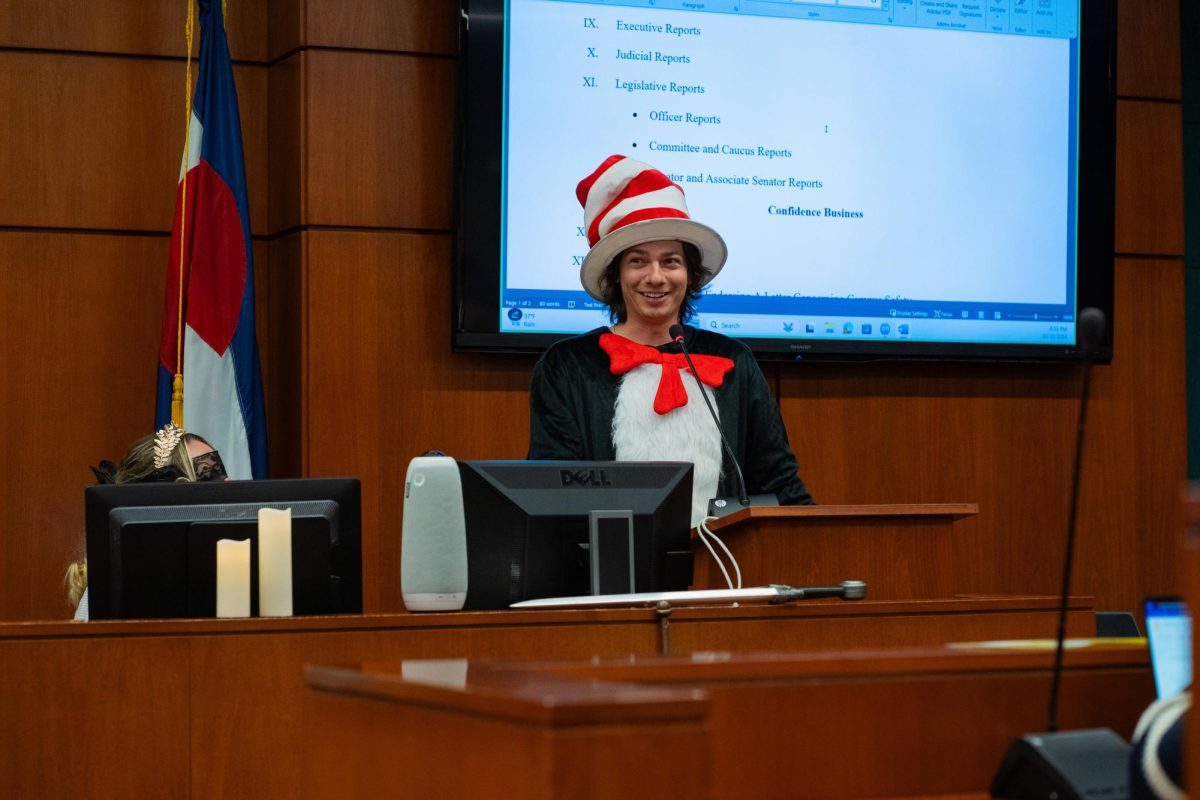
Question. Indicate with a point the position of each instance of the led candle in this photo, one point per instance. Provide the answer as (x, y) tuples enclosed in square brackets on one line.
[(275, 562), (233, 578)]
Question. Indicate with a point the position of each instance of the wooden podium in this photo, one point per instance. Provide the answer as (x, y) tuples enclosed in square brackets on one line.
[(903, 552)]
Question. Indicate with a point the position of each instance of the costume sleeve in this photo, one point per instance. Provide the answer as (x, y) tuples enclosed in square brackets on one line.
[(769, 464), (555, 431)]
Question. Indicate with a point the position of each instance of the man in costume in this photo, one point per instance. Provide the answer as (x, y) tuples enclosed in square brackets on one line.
[(624, 393)]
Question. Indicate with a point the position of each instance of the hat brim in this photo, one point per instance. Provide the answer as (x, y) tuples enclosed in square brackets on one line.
[(713, 251)]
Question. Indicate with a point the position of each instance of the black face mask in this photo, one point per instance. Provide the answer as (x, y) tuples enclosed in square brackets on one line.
[(209, 467)]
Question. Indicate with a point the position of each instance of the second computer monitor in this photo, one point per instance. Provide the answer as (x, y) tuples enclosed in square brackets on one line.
[(528, 526)]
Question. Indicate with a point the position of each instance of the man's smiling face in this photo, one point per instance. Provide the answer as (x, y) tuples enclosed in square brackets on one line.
[(654, 281)]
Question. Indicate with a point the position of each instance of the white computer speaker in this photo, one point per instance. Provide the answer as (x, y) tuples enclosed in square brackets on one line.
[(433, 548)]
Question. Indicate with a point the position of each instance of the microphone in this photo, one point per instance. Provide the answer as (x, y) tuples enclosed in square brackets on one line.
[(676, 333), (773, 594), (1083, 763), (1091, 330), (846, 590)]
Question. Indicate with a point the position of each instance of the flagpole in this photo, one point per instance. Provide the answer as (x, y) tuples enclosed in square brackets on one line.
[(208, 324), (177, 385)]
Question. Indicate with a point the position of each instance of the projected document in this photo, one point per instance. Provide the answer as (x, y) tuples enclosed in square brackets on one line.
[(904, 166)]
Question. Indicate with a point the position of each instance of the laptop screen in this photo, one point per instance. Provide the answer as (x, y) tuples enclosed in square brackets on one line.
[(1169, 631)]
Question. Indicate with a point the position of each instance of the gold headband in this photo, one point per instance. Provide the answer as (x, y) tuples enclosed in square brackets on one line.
[(165, 442)]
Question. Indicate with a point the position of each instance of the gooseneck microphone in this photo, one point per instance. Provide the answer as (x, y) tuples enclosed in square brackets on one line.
[(1091, 332), (774, 594), (676, 332), (1079, 763), (846, 590)]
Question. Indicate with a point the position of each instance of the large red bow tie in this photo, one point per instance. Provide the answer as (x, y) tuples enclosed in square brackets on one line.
[(624, 355)]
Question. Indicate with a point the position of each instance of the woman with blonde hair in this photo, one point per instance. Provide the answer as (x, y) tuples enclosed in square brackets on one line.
[(167, 455)]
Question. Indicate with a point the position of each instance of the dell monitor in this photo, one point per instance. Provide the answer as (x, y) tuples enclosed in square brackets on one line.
[(533, 526), (152, 546)]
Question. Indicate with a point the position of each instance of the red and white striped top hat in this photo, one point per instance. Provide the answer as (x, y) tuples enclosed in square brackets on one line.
[(626, 202)]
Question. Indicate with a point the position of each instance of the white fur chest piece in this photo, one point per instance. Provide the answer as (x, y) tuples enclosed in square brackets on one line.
[(685, 434)]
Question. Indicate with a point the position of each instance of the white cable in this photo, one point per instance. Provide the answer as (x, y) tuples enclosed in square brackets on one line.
[(737, 569), (703, 531)]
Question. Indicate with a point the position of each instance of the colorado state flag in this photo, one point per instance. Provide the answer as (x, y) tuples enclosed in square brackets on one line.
[(223, 400)]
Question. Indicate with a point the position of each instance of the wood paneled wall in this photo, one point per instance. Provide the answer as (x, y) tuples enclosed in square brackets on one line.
[(348, 112)]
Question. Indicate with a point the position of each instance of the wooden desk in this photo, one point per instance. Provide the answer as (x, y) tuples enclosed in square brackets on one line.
[(863, 724), (901, 551), (213, 708)]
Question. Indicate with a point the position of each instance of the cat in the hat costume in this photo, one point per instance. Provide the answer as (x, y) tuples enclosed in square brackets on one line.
[(622, 393)]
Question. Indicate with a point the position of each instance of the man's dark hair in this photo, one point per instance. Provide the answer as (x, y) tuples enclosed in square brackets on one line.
[(610, 284)]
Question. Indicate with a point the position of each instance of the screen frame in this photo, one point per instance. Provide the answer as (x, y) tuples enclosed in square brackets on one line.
[(475, 325)]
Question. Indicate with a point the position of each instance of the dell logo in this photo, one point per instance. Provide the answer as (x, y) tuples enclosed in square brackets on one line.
[(584, 477)]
